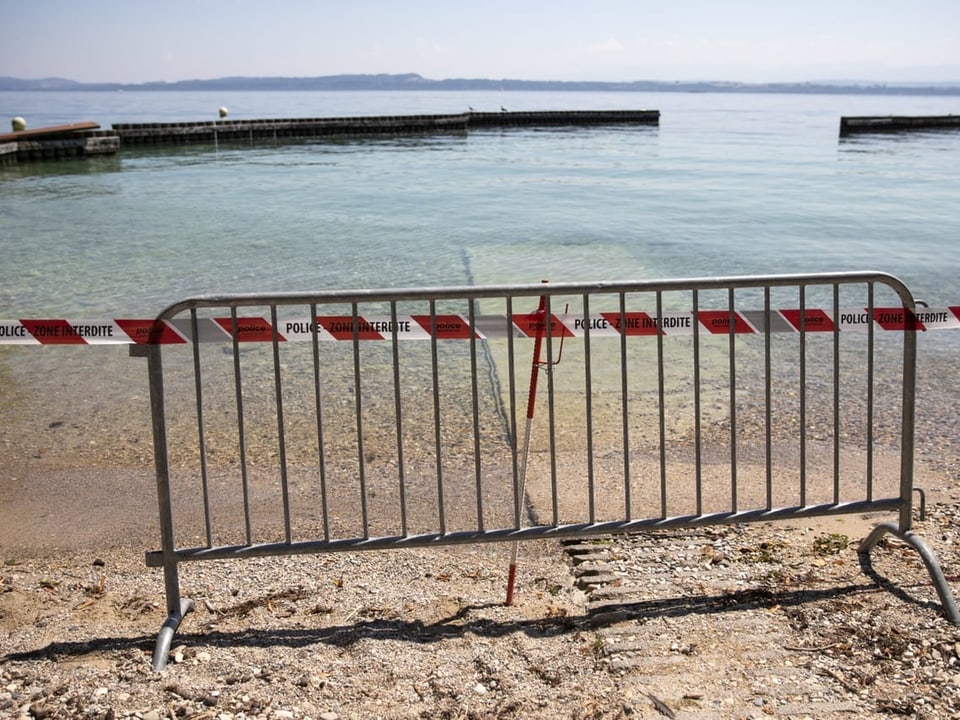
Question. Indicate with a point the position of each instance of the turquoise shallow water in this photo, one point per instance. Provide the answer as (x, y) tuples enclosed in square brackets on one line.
[(727, 184)]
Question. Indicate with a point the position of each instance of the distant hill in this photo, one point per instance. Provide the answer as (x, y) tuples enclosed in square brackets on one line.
[(412, 81), (9, 83)]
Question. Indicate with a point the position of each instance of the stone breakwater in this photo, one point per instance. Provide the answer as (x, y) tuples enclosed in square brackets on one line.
[(86, 139), (897, 123)]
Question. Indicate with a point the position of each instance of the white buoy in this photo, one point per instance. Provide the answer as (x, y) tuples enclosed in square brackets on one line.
[(223, 112), (18, 124)]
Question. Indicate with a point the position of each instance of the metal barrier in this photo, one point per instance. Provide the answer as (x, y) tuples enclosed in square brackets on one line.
[(397, 419)]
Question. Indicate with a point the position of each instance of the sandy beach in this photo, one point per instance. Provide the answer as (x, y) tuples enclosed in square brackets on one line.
[(778, 620)]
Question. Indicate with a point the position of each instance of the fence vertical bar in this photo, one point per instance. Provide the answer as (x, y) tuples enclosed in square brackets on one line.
[(358, 411), (909, 419), (318, 401), (475, 400), (661, 407), (697, 417), (398, 416), (177, 607), (551, 409), (241, 425), (588, 395), (625, 411), (768, 396), (201, 432), (836, 393), (870, 369), (803, 395), (732, 344), (438, 442), (281, 432), (512, 385)]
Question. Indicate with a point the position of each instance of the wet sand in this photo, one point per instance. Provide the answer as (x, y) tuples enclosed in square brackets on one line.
[(78, 460)]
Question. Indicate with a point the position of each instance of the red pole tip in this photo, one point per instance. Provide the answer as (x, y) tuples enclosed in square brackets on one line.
[(511, 578)]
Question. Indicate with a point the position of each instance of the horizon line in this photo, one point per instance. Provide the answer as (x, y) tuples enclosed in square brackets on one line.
[(416, 77)]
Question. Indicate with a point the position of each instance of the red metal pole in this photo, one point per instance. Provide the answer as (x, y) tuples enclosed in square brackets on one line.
[(531, 405)]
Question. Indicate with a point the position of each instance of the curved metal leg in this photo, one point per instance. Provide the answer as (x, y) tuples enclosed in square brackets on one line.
[(165, 639), (929, 559)]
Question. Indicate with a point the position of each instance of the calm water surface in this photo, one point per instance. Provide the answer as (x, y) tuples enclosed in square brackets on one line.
[(727, 184)]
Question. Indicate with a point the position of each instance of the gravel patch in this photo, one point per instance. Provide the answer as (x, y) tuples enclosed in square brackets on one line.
[(739, 622)]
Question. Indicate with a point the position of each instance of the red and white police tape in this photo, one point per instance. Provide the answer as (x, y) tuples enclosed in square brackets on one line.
[(457, 327)]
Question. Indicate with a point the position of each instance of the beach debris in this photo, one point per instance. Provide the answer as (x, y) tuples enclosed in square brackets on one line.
[(660, 705)]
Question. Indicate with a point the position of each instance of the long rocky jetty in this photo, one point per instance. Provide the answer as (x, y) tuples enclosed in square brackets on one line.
[(897, 123), (83, 139)]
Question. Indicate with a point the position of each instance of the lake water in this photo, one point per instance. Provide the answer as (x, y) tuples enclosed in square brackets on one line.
[(727, 184)]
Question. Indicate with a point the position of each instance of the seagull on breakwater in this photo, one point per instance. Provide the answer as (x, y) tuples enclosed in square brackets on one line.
[(502, 109)]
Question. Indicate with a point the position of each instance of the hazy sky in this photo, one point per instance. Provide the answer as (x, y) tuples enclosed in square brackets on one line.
[(742, 40)]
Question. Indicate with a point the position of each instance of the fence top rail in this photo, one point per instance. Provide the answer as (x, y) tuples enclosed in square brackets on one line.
[(538, 289)]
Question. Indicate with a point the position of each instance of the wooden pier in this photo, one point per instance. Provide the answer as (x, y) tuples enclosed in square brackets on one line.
[(82, 139), (59, 142), (897, 123)]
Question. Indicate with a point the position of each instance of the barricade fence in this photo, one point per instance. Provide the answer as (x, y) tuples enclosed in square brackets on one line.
[(704, 411)]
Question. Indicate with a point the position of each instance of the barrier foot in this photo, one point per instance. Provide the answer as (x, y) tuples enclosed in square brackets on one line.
[(947, 602), (161, 652)]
